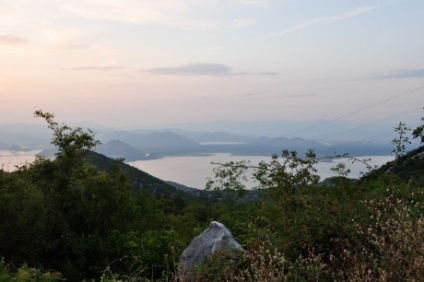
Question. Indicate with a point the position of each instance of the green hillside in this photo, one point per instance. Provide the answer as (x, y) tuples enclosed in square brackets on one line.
[(138, 179), (409, 168)]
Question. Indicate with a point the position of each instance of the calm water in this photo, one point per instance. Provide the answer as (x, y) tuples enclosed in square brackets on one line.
[(9, 160), (193, 171)]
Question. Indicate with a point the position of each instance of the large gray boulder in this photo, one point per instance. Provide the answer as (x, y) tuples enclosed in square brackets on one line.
[(215, 238)]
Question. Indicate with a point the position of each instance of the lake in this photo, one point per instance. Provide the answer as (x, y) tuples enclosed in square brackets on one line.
[(193, 171), (10, 159)]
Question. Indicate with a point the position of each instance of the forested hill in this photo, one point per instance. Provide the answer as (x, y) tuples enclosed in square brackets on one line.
[(408, 168), (140, 179)]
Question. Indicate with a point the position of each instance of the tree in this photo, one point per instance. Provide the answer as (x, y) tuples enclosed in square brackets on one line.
[(229, 183), (401, 140), (293, 172), (419, 132), (72, 144), (87, 210)]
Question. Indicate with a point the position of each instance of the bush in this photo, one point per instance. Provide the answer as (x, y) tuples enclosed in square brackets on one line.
[(25, 273)]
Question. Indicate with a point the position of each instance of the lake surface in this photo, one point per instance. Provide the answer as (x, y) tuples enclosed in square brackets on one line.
[(193, 171), (10, 159)]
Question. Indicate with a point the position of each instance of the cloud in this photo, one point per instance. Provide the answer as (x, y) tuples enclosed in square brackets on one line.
[(241, 23), (96, 68), (13, 40), (273, 96), (297, 95), (251, 2), (329, 19), (268, 73), (195, 69), (161, 12), (72, 46), (407, 73), (204, 69), (251, 94), (66, 43)]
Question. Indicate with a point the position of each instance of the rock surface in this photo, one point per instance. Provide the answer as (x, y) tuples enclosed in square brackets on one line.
[(215, 238)]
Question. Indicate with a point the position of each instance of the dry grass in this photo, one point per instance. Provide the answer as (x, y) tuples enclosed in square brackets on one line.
[(390, 247)]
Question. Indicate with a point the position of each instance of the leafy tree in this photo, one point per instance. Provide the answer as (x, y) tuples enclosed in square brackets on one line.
[(229, 183), (293, 172), (285, 184), (341, 170), (419, 132), (24, 219), (73, 143), (401, 140), (64, 213)]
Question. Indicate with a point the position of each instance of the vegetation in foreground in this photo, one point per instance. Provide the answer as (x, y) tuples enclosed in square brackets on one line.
[(68, 219)]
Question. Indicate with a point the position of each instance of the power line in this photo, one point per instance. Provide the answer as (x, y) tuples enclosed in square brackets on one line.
[(329, 151), (340, 133), (343, 116), (357, 111), (366, 125)]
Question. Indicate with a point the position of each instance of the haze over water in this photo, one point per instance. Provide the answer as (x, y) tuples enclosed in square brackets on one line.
[(193, 171), (9, 160)]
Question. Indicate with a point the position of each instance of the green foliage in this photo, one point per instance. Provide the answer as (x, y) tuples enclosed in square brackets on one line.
[(69, 142), (221, 266), (418, 132), (229, 183), (292, 174), (406, 169), (65, 214), (400, 141), (381, 241), (89, 217), (24, 274), (341, 169)]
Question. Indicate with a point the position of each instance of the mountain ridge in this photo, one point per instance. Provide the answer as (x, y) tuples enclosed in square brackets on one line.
[(149, 144)]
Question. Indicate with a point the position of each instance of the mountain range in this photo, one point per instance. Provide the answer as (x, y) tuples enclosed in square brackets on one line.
[(192, 139)]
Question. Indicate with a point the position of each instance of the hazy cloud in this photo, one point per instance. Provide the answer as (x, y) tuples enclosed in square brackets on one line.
[(251, 94), (251, 2), (162, 12), (329, 19), (297, 95), (96, 68), (204, 69), (241, 23), (268, 73), (195, 69), (72, 46), (408, 73), (262, 95), (13, 40)]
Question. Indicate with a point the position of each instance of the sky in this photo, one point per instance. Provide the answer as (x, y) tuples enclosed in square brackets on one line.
[(149, 63)]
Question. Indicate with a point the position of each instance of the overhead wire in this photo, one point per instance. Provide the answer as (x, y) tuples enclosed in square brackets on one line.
[(340, 117), (357, 111), (368, 124)]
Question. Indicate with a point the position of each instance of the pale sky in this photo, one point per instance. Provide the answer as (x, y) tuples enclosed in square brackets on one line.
[(144, 63)]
